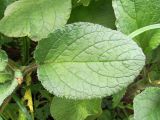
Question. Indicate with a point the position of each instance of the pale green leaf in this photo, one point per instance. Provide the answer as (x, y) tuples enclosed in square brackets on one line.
[(84, 60), (8, 87), (64, 109), (3, 60), (34, 18), (147, 105), (134, 14), (99, 12)]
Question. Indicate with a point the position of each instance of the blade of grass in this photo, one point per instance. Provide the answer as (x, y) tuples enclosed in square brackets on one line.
[(22, 107)]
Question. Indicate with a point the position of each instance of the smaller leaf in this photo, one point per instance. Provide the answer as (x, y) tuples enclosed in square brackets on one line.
[(34, 18), (117, 97), (4, 77), (65, 109), (106, 115), (3, 60), (8, 87), (147, 105)]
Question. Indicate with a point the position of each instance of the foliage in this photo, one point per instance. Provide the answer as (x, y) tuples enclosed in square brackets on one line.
[(79, 59)]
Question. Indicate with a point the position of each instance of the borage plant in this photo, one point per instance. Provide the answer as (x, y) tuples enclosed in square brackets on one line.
[(90, 67)]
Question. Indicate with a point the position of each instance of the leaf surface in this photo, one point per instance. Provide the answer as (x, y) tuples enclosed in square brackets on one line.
[(34, 18), (3, 60), (134, 14), (147, 105), (64, 109), (8, 78), (84, 60)]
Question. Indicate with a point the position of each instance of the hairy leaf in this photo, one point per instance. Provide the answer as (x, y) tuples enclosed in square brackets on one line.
[(34, 18), (85, 60), (134, 14), (64, 109), (147, 105)]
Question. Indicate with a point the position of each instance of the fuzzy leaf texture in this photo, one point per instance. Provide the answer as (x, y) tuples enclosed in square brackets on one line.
[(147, 105), (85, 60), (134, 14), (34, 18), (64, 109)]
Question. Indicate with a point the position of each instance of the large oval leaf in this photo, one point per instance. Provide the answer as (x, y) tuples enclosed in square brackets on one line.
[(85, 60), (34, 18), (147, 105)]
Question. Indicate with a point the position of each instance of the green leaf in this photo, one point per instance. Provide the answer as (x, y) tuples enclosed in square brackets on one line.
[(34, 18), (8, 87), (3, 60), (5, 76), (99, 12), (84, 60), (106, 115), (147, 104), (3, 5), (134, 14), (64, 109), (117, 97)]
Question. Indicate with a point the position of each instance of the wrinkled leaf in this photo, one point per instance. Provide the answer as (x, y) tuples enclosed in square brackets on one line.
[(85, 60), (64, 109), (134, 14), (147, 105), (34, 18)]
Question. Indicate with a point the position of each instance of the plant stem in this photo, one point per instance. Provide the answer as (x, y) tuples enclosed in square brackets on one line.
[(144, 29), (25, 50), (29, 69)]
